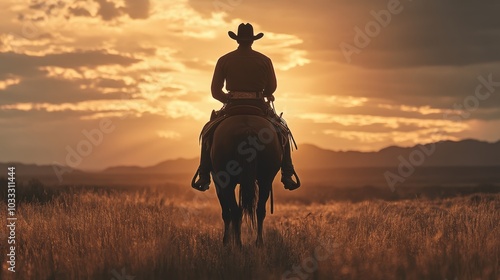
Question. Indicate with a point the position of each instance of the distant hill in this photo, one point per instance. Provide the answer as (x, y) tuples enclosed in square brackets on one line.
[(440, 154), (180, 165), (33, 170), (443, 153)]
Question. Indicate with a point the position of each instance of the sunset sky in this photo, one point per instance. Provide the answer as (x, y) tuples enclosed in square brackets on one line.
[(349, 77)]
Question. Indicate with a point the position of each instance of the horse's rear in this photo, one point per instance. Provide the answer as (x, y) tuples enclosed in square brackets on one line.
[(245, 149)]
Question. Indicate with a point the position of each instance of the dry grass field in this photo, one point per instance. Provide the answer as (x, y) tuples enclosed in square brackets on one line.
[(96, 234)]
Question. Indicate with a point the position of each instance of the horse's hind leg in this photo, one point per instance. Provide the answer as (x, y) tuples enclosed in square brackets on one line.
[(236, 215), (226, 216), (264, 189), (237, 226)]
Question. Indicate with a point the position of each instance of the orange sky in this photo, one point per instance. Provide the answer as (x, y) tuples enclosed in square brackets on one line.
[(143, 68)]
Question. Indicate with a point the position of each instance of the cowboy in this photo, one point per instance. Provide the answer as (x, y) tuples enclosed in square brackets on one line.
[(249, 77)]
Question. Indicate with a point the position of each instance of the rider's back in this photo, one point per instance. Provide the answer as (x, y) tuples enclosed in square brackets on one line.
[(246, 70)]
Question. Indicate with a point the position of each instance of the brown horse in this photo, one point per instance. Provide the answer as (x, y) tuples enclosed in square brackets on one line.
[(246, 150)]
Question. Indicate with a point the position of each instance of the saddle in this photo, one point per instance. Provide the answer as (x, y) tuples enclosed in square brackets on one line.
[(225, 112), (244, 110)]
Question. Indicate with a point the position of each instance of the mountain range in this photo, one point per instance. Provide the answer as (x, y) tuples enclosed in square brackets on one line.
[(307, 157), (444, 153)]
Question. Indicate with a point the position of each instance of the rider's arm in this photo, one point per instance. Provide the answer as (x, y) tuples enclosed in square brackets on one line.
[(271, 80), (218, 82)]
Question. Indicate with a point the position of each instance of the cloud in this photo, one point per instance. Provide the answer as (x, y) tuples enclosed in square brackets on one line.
[(402, 138), (27, 65), (111, 83), (389, 122), (108, 10), (85, 58), (178, 109), (198, 64), (169, 134), (445, 34), (134, 140), (102, 106), (137, 9), (79, 12), (6, 83), (44, 78), (423, 34), (152, 62), (54, 91)]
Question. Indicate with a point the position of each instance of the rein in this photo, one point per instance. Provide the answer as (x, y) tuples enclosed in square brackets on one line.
[(272, 200), (285, 125)]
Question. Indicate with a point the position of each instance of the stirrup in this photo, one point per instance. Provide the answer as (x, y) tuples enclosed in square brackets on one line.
[(297, 184), (201, 188)]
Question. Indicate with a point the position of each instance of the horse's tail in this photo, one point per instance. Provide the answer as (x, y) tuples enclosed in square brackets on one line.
[(248, 188)]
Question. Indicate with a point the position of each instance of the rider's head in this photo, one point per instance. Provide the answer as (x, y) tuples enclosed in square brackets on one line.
[(245, 36)]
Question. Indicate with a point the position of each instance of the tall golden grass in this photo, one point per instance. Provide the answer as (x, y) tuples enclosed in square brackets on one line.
[(145, 234)]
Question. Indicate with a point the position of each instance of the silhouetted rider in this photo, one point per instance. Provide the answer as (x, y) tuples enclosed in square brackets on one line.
[(249, 77)]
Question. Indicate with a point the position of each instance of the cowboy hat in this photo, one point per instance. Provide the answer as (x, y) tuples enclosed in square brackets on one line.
[(245, 33)]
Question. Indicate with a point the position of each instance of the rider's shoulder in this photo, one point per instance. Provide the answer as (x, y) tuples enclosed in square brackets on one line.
[(261, 57), (260, 54), (229, 54), (237, 53)]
